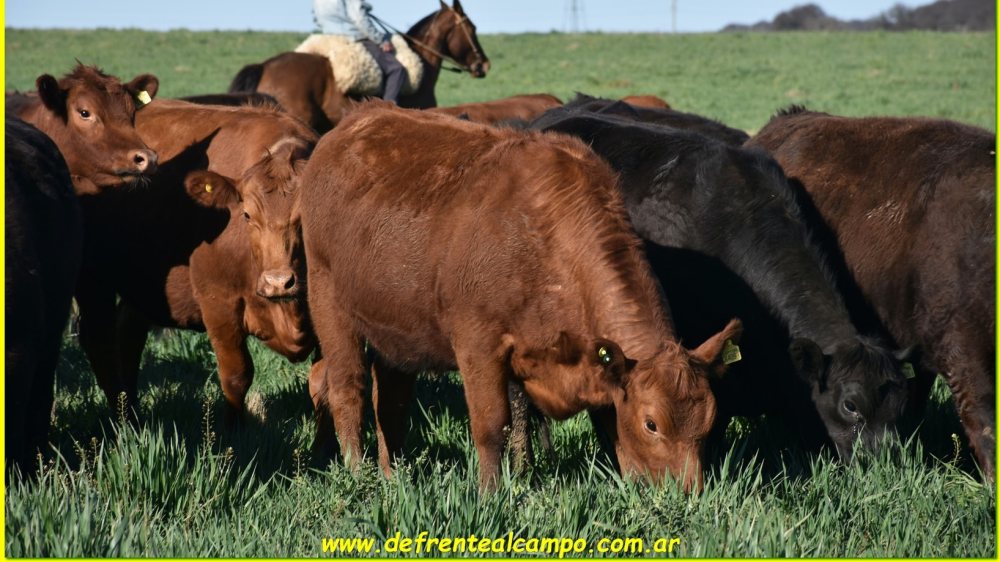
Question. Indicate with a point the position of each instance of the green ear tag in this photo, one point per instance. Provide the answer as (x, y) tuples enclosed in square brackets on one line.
[(731, 353), (908, 371), (143, 97)]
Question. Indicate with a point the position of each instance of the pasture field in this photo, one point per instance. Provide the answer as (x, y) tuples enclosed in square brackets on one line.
[(182, 485)]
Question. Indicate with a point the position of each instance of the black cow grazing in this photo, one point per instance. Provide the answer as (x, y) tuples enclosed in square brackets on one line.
[(44, 235), (911, 203), (732, 232), (659, 116)]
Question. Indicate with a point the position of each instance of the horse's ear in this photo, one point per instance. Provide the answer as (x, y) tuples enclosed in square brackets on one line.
[(444, 7), (457, 6)]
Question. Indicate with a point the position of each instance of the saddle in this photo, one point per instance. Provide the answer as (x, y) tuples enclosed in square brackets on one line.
[(354, 68)]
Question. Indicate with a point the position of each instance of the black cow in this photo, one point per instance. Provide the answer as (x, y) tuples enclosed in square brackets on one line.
[(659, 116), (44, 235), (726, 236)]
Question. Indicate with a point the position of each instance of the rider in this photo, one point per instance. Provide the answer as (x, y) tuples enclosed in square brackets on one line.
[(351, 18)]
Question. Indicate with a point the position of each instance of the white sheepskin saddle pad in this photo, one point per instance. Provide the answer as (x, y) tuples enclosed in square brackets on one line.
[(354, 68)]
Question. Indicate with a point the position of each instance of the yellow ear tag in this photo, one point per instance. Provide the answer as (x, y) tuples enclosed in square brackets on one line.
[(143, 97), (731, 353), (604, 355), (908, 371), (208, 188)]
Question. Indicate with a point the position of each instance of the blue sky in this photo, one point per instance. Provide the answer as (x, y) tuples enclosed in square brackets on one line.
[(491, 16)]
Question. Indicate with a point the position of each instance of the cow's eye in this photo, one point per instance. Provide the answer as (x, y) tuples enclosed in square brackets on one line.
[(650, 426), (85, 114)]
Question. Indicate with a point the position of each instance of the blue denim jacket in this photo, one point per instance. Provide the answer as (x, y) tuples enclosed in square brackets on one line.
[(347, 17)]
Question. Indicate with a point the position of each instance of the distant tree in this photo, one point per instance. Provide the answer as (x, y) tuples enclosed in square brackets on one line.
[(943, 15)]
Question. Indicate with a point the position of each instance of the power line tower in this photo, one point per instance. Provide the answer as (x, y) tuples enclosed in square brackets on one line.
[(575, 16), (673, 16)]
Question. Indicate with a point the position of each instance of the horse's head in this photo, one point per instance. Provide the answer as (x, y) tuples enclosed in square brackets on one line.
[(458, 38)]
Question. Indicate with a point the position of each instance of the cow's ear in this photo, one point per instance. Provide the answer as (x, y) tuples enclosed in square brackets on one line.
[(52, 95), (143, 83), (209, 189), (720, 350), (612, 359), (809, 361)]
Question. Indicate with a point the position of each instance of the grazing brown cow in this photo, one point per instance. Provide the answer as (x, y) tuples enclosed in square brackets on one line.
[(193, 252), (91, 117), (911, 203), (508, 254), (646, 101), (525, 107)]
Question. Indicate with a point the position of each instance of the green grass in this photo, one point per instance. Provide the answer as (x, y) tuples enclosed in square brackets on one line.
[(181, 485), (739, 78)]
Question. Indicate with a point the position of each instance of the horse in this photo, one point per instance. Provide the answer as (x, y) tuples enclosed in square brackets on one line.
[(305, 86)]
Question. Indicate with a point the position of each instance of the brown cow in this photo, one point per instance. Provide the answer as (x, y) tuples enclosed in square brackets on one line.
[(192, 252), (91, 117), (525, 107), (647, 101), (508, 254), (911, 203)]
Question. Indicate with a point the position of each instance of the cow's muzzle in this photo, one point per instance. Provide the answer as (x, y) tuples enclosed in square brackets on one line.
[(278, 284)]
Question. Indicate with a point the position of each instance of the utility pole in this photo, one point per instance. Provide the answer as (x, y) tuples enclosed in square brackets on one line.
[(575, 15), (673, 16)]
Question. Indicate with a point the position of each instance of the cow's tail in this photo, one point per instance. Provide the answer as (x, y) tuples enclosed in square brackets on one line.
[(247, 79)]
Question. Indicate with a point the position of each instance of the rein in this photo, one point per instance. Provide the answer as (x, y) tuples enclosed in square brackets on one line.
[(459, 67)]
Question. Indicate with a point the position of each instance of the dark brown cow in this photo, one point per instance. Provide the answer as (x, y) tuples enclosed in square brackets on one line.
[(43, 237), (525, 107), (647, 101), (227, 261), (911, 203), (91, 118), (507, 254)]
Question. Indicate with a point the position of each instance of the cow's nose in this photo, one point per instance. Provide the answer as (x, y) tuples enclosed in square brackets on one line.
[(278, 283), (144, 160)]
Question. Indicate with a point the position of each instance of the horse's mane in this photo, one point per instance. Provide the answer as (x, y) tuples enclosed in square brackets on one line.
[(422, 24)]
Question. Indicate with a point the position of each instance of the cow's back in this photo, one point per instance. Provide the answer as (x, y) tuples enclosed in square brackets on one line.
[(459, 210), (43, 236)]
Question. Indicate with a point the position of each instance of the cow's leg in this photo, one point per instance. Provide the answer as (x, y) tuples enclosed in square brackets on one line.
[(485, 381), (975, 399), (224, 325), (132, 331), (98, 338), (392, 392), (325, 446), (521, 451), (340, 376), (605, 424)]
